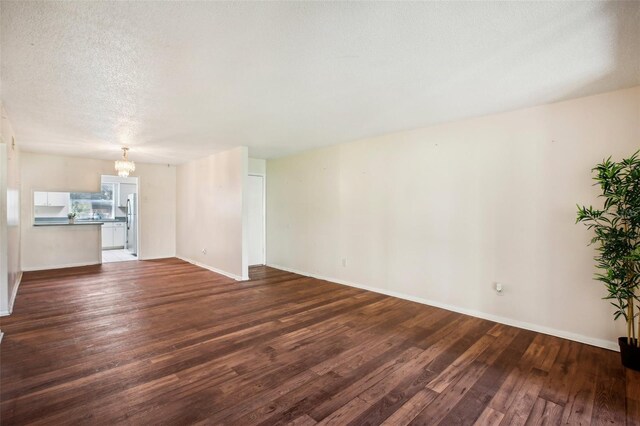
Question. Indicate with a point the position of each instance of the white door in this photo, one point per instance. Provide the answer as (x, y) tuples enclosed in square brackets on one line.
[(256, 220)]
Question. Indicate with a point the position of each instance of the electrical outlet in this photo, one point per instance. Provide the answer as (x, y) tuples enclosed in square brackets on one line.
[(344, 262), (498, 287), (204, 251)]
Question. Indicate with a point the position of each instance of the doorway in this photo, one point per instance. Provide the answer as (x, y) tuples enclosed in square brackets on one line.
[(120, 217), (256, 223)]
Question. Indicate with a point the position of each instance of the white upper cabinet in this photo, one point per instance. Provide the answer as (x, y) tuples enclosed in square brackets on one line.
[(55, 199), (40, 198), (60, 199)]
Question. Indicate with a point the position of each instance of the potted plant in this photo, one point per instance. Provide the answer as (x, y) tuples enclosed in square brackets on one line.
[(617, 236), (71, 216)]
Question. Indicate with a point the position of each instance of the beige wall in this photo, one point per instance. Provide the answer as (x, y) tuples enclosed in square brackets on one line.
[(48, 247), (440, 214), (211, 214), (10, 271)]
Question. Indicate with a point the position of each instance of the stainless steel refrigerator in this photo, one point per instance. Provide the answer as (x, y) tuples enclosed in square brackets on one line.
[(131, 244)]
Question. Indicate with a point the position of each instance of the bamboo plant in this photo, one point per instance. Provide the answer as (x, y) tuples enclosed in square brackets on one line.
[(617, 236)]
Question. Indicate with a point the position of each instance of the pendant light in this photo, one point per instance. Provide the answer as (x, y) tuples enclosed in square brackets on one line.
[(124, 166)]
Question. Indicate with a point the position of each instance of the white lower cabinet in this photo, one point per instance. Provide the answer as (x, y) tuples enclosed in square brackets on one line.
[(113, 235), (107, 236), (119, 231)]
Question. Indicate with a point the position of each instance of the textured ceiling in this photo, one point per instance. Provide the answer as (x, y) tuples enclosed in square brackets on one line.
[(179, 80)]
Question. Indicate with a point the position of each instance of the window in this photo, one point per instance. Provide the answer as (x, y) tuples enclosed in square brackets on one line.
[(94, 205)]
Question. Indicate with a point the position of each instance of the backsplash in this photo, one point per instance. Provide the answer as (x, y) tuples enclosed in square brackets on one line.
[(50, 211)]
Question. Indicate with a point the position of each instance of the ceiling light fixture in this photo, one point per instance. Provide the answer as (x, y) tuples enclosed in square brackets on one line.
[(124, 166)]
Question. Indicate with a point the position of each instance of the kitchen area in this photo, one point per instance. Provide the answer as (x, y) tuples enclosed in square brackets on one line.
[(114, 209)]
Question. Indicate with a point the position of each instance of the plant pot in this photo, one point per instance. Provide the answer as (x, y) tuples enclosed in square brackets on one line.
[(72, 220), (630, 354)]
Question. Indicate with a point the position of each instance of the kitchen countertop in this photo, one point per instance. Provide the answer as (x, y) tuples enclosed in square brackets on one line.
[(61, 221), (66, 223)]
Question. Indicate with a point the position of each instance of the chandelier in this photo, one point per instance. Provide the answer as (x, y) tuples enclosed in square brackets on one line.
[(124, 166)]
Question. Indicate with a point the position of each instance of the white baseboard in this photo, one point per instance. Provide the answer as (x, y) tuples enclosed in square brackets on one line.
[(12, 299), (67, 265), (15, 292), (212, 269), (606, 344), (156, 257)]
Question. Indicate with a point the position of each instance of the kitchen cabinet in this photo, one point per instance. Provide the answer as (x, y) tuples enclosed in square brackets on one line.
[(113, 235), (107, 236), (40, 198), (119, 234), (124, 191), (56, 199)]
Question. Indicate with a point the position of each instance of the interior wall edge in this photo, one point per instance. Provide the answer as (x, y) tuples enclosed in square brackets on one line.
[(245, 213), (4, 246), (211, 210), (12, 298)]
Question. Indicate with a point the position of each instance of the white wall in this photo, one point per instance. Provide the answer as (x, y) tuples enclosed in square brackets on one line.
[(10, 271), (257, 166), (4, 249), (441, 213), (49, 247), (211, 215)]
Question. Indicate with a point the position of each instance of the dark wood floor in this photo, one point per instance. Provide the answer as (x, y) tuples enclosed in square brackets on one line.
[(165, 342)]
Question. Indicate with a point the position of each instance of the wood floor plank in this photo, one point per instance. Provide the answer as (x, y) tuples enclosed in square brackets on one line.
[(389, 395), (545, 413), (580, 404), (609, 405), (511, 344), (302, 421), (489, 417), (442, 405), (632, 391), (167, 342), (346, 413), (411, 408), (339, 399), (524, 399)]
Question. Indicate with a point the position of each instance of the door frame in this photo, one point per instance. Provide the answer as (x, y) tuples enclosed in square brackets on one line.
[(264, 215), (138, 227)]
